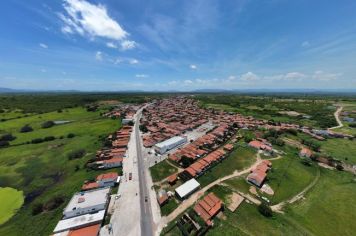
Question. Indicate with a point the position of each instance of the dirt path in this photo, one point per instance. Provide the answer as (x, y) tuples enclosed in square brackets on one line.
[(193, 198), (337, 117), (278, 207)]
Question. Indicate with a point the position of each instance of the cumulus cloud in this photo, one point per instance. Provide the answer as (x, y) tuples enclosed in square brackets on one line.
[(193, 67), (42, 45), (249, 76), (187, 82), (323, 76), (87, 19), (111, 45), (305, 44), (99, 56), (133, 61), (128, 44), (142, 76)]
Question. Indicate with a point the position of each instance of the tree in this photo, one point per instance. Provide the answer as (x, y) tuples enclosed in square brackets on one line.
[(130, 123), (339, 167), (70, 135), (7, 137), (76, 154), (26, 129), (265, 210), (143, 128), (47, 124), (49, 138), (186, 161), (37, 209), (4, 144)]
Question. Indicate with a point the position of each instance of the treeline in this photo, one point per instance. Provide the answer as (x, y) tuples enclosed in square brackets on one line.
[(29, 103), (319, 109)]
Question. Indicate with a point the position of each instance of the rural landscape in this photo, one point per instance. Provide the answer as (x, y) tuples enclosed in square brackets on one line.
[(290, 171), (177, 118)]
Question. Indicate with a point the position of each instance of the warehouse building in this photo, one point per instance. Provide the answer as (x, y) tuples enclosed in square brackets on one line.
[(79, 222), (169, 144), (87, 202), (187, 188)]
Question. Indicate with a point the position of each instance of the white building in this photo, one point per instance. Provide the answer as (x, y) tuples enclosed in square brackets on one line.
[(187, 188), (79, 222), (87, 202), (169, 144)]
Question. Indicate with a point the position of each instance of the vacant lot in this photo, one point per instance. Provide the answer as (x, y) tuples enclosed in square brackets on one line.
[(330, 207), (239, 159), (162, 170), (342, 149), (11, 200), (43, 171)]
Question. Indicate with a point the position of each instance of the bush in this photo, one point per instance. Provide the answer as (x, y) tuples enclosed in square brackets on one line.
[(70, 135), (37, 140), (7, 137), (47, 124), (76, 154), (49, 138), (265, 210), (143, 128), (37, 209), (4, 144), (53, 203), (26, 129), (339, 167), (352, 125)]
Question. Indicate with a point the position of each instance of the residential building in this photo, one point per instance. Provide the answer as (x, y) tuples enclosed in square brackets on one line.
[(187, 188), (169, 144)]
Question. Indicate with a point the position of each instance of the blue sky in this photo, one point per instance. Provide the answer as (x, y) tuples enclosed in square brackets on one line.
[(177, 45)]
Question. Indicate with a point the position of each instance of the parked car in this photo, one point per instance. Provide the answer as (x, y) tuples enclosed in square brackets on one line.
[(130, 176)]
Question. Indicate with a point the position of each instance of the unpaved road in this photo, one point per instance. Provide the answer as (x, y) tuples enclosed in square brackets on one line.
[(337, 117)]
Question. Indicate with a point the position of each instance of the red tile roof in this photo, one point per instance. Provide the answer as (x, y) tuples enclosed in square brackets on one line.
[(92, 230)]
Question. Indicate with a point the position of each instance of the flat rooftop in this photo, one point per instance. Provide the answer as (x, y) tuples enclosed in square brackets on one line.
[(187, 188), (170, 141), (88, 199), (79, 221)]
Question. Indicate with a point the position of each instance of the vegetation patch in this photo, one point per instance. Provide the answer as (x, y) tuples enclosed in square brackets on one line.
[(11, 200), (162, 170)]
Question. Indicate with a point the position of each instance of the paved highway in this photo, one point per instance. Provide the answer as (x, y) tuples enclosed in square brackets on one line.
[(145, 203)]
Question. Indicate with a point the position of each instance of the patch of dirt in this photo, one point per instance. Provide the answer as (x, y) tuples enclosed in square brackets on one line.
[(253, 190), (326, 166), (235, 201), (221, 216)]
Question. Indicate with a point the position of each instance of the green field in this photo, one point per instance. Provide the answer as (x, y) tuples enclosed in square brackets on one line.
[(239, 159), (43, 171), (330, 207), (11, 200), (342, 149), (162, 170)]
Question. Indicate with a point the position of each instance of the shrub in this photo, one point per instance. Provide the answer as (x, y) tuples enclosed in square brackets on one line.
[(53, 203), (7, 137), (265, 210), (26, 129), (339, 167), (47, 124), (76, 154), (70, 135), (37, 209), (49, 138), (352, 125), (4, 144), (37, 140)]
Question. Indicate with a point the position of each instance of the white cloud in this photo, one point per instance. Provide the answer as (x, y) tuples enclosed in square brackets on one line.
[(99, 56), (323, 76), (305, 44), (85, 18), (127, 44), (193, 67), (42, 45), (249, 76), (111, 45), (133, 61), (294, 75), (187, 82), (142, 76)]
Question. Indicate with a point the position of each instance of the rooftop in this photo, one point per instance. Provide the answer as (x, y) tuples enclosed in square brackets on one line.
[(187, 188)]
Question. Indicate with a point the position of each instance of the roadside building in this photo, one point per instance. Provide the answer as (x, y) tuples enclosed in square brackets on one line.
[(169, 144), (162, 197), (208, 207), (172, 179), (79, 222), (305, 152), (108, 179), (187, 188), (86, 203), (111, 163), (259, 174)]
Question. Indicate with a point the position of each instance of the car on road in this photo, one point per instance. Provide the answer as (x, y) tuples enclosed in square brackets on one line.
[(130, 176), (146, 199), (117, 196)]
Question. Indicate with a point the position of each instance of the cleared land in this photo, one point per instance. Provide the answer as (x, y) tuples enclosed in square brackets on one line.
[(43, 171), (11, 200), (162, 170), (240, 158)]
